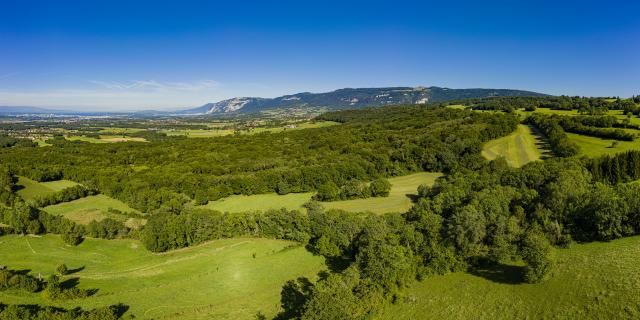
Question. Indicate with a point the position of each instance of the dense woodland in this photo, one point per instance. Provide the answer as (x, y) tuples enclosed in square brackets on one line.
[(479, 214)]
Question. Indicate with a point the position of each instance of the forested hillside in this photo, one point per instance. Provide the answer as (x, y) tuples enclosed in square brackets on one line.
[(369, 144)]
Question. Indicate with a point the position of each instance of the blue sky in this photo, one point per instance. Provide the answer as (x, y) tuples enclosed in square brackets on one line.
[(131, 55)]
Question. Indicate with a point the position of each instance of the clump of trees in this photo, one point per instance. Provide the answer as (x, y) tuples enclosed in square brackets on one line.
[(353, 189), (11, 279)]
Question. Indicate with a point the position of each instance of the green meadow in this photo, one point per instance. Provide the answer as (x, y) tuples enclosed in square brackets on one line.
[(599, 280), (223, 279), (518, 148), (85, 210), (260, 202), (399, 199), (31, 189)]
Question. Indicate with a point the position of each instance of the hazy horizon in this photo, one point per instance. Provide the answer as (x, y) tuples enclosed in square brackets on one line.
[(119, 56)]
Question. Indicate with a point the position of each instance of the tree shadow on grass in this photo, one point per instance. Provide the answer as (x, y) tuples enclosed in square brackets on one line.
[(76, 270), (412, 197), (499, 273)]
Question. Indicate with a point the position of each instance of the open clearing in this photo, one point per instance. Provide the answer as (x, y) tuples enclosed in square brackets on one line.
[(218, 280), (260, 202), (518, 148), (31, 189), (399, 199), (590, 281), (85, 210), (594, 146)]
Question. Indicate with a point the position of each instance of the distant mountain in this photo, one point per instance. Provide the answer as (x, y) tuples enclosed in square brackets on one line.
[(353, 99), (8, 110)]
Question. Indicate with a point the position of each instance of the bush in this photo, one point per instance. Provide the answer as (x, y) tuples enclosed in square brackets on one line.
[(537, 254), (62, 269), (380, 187)]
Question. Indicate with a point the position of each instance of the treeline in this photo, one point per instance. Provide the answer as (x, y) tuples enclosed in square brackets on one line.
[(370, 144), (353, 190), (7, 186), (172, 230), (7, 142), (23, 218), (584, 105), (37, 312), (577, 125), (64, 195), (555, 134), (614, 169)]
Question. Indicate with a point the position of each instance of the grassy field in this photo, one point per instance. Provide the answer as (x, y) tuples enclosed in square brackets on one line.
[(31, 189), (106, 139), (224, 279), (594, 146), (518, 148), (85, 210), (241, 203), (590, 281), (399, 199)]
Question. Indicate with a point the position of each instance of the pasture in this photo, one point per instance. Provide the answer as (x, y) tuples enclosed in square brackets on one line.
[(399, 199), (590, 281), (30, 189), (518, 148), (260, 202), (85, 210), (223, 279)]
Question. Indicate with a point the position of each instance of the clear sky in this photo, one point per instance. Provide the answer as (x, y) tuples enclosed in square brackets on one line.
[(131, 55)]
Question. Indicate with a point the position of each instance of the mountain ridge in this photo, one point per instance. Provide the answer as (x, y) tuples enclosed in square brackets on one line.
[(352, 98)]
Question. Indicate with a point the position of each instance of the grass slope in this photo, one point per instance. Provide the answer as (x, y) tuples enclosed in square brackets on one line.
[(85, 210), (217, 280), (242, 203), (518, 148), (399, 199), (31, 189), (590, 281)]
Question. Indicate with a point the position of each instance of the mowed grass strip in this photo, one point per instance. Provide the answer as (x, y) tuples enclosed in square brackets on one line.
[(85, 210), (518, 148), (589, 281), (399, 199), (30, 189), (223, 279)]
